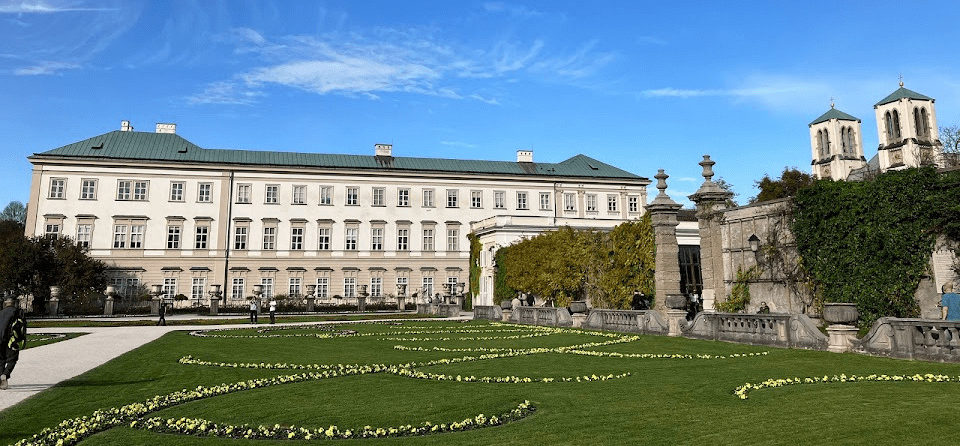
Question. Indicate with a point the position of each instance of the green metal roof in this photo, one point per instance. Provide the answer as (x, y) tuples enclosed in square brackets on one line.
[(169, 147), (834, 114), (902, 93)]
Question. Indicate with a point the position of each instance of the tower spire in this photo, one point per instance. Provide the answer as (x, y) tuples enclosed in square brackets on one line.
[(901, 81)]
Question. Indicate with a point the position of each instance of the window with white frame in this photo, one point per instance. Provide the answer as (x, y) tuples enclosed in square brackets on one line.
[(197, 288), (240, 237), (428, 240), (452, 195), (544, 201), (569, 202), (88, 189), (136, 236), (453, 239), (476, 199), (612, 203), (272, 194), (173, 236), (427, 287), (299, 194), (403, 197), (236, 289), (295, 285), (296, 238), (350, 239), (376, 286), (201, 236), (428, 198), (633, 203), (244, 193), (522, 200), (52, 230), (84, 234), (169, 287), (376, 239), (140, 189), (176, 190), (403, 239), (58, 188), (119, 236), (267, 284), (269, 238), (323, 236), (131, 285), (123, 189), (453, 284), (379, 194), (353, 196), (591, 203), (323, 286), (499, 199), (205, 192), (326, 195), (349, 287)]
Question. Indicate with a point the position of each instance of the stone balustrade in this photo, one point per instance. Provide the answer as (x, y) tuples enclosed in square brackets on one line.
[(630, 321), (445, 310), (926, 339), (555, 317), (780, 330), (488, 312)]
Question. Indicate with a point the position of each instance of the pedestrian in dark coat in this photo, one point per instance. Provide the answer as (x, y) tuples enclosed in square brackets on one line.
[(13, 337)]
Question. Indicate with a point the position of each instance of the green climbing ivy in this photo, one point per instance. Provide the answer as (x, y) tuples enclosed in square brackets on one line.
[(740, 292), (869, 242), (501, 290), (474, 270)]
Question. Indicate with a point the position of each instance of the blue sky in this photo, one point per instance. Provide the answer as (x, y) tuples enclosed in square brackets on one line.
[(641, 85)]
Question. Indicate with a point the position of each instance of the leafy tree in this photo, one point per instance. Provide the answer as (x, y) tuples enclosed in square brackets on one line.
[(624, 263), (727, 186), (791, 180), (501, 289), (16, 212)]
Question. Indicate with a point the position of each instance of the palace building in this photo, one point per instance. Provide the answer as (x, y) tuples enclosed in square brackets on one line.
[(159, 209)]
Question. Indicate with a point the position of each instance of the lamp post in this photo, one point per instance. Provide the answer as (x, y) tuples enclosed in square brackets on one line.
[(311, 297), (214, 299), (755, 246)]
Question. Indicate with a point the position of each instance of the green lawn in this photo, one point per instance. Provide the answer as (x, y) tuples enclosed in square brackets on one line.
[(661, 401), (38, 339)]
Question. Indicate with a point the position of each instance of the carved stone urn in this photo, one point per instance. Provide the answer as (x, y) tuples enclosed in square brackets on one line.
[(840, 313), (676, 301), (578, 306)]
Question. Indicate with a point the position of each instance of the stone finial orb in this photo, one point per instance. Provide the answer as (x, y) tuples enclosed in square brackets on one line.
[(707, 165), (661, 177)]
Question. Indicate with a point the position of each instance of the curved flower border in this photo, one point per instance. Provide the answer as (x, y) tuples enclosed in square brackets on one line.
[(743, 391)]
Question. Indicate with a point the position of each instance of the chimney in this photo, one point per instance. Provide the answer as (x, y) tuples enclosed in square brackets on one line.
[(166, 128), (383, 149), (524, 156), (125, 126)]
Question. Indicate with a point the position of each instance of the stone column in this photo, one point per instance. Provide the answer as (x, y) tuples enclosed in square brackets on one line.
[(663, 213), (710, 200), (108, 301)]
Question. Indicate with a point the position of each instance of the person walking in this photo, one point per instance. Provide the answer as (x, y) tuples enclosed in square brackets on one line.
[(163, 313), (273, 310), (253, 311), (13, 335)]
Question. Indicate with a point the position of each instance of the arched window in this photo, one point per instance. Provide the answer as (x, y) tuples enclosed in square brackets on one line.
[(925, 121), (826, 143), (896, 124), (916, 121), (888, 119), (851, 142), (843, 139), (820, 143)]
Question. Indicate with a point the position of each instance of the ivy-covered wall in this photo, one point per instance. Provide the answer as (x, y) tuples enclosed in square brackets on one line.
[(870, 242), (474, 271)]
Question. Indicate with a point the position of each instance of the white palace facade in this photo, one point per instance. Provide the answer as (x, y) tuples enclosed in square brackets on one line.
[(159, 209)]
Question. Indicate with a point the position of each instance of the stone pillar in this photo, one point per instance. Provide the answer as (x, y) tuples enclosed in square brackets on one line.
[(676, 320), (710, 200), (507, 315), (108, 306), (578, 320), (401, 303), (311, 303), (663, 213), (53, 305), (215, 305)]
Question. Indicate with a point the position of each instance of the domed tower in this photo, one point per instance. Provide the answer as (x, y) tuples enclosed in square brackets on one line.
[(907, 127), (836, 145)]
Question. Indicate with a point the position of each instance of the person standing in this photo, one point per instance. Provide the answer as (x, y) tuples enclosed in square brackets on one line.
[(950, 303), (13, 335), (253, 311), (163, 313), (273, 310)]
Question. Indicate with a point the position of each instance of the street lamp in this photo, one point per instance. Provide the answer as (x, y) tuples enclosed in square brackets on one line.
[(755, 245)]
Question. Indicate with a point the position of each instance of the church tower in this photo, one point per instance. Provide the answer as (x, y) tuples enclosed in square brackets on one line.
[(836, 145), (907, 127)]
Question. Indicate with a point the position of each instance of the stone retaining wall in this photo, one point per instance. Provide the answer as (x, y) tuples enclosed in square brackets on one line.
[(629, 321), (779, 330), (488, 312), (927, 339)]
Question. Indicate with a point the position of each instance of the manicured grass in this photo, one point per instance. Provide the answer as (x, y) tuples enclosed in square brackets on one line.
[(663, 401), (38, 339), (41, 323)]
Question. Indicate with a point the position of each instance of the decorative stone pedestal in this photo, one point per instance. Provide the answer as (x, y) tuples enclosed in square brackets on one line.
[(841, 337), (361, 304), (507, 315), (675, 319), (108, 306), (155, 306), (53, 306), (578, 319), (214, 306), (401, 303), (311, 304)]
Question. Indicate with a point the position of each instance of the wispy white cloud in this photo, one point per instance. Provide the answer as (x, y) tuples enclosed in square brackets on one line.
[(458, 144), (486, 100), (510, 9), (45, 68), (43, 7), (225, 93), (687, 179)]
